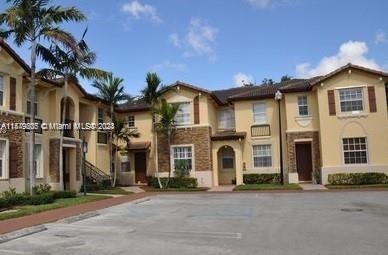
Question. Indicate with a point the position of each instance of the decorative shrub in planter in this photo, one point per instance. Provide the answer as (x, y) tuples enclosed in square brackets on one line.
[(261, 178), (175, 182), (357, 178)]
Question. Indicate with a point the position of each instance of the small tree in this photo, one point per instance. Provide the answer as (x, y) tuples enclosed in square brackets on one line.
[(166, 126), (285, 77), (182, 168), (124, 134), (111, 89)]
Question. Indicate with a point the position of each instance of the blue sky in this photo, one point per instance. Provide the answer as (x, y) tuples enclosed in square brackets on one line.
[(216, 44)]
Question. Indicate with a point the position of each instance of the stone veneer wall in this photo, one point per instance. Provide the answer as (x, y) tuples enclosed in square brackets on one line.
[(291, 154), (198, 136), (16, 140), (54, 159)]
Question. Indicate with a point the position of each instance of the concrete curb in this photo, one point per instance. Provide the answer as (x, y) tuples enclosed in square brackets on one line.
[(79, 217), (21, 233), (141, 200)]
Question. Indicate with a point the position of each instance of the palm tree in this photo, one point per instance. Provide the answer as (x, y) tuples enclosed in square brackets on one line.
[(110, 89), (31, 22), (124, 134), (68, 64), (153, 88), (166, 126)]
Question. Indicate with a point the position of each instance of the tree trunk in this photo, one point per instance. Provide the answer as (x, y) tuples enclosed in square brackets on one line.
[(32, 119), (63, 117), (156, 159), (169, 157), (110, 149), (115, 166)]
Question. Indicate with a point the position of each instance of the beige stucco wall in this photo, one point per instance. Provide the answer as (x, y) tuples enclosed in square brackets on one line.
[(372, 125)]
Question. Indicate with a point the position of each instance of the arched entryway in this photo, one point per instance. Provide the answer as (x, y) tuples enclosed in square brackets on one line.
[(226, 165)]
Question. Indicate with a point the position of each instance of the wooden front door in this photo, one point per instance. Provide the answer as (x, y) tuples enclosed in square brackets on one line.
[(304, 163), (140, 167)]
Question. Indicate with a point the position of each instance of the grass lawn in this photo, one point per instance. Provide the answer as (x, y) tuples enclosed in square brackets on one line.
[(292, 186), (151, 189), (365, 186), (59, 203), (113, 191)]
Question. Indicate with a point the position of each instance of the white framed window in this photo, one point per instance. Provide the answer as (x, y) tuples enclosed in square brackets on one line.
[(227, 159), (259, 113), (4, 159), (29, 100), (1, 90), (355, 150), (38, 160), (125, 164), (351, 100), (182, 152), (262, 155), (131, 121), (226, 118), (303, 107), (183, 117), (101, 115)]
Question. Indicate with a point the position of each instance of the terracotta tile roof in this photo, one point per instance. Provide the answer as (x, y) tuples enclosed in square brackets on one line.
[(138, 145), (228, 135), (224, 94), (257, 92), (132, 107)]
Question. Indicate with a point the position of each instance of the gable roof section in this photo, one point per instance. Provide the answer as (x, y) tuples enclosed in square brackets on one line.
[(14, 55), (348, 66)]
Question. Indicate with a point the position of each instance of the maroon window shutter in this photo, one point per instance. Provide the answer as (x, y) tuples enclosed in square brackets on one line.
[(13, 160), (196, 110), (12, 94), (372, 99), (331, 99)]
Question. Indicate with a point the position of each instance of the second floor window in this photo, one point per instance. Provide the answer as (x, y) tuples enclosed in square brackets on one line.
[(29, 100), (182, 117), (303, 106), (1, 90), (101, 116), (351, 99), (131, 121), (101, 136), (259, 113), (226, 118)]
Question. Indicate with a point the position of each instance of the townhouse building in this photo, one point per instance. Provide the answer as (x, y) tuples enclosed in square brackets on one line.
[(336, 123)]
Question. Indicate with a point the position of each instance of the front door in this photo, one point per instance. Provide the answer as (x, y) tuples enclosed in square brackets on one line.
[(304, 161), (140, 167)]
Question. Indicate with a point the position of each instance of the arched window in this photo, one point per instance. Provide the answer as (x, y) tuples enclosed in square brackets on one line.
[(29, 100)]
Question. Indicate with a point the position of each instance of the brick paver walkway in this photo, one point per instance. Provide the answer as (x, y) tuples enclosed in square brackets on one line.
[(60, 213)]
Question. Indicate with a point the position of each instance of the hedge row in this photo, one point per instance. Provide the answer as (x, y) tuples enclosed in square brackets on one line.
[(261, 178), (24, 199), (357, 178), (186, 182)]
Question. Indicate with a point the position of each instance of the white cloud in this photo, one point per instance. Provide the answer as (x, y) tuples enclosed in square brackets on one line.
[(174, 39), (240, 79), (139, 10), (381, 37), (261, 4), (198, 41), (349, 52), (264, 4), (169, 65)]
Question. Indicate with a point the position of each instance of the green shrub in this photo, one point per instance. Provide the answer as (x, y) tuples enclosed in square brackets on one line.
[(175, 182), (182, 168), (41, 199), (64, 194), (3, 203), (8, 193), (41, 188), (357, 178), (261, 178)]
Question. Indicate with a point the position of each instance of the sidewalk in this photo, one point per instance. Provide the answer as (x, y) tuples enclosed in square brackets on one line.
[(57, 214)]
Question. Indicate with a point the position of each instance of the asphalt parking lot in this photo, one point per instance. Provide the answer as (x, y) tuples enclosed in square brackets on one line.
[(264, 223)]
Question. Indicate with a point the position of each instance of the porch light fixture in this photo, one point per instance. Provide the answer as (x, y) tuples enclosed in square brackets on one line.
[(278, 97)]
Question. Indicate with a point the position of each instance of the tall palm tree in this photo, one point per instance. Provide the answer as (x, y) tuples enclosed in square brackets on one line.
[(31, 22), (151, 94), (124, 134), (111, 89), (166, 126), (153, 88), (68, 64)]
